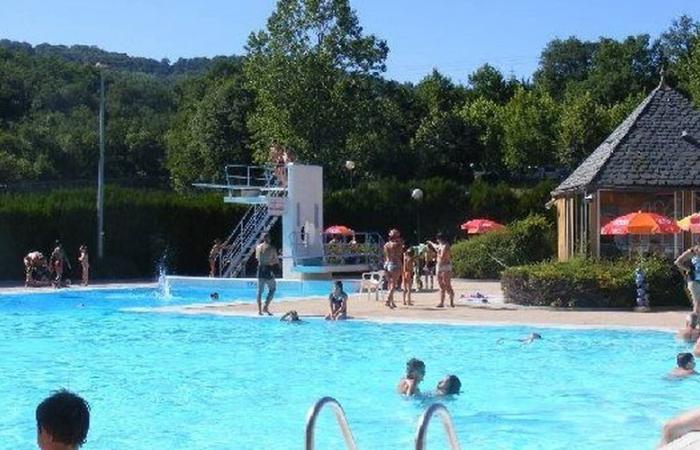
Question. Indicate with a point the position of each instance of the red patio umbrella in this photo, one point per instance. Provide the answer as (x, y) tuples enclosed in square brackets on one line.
[(480, 226), (640, 223), (339, 229)]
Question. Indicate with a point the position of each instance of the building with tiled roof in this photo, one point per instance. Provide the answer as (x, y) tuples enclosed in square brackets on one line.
[(651, 162)]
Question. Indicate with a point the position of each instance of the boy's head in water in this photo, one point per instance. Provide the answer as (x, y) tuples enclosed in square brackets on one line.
[(685, 361), (62, 421), (415, 369), (214, 296)]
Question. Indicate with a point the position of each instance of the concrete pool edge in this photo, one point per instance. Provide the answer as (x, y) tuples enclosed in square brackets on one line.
[(234, 309)]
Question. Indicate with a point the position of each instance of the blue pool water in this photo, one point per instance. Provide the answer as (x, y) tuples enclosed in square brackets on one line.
[(166, 381)]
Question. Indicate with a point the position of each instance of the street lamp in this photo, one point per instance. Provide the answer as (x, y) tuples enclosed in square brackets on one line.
[(417, 195), (101, 168), (350, 165)]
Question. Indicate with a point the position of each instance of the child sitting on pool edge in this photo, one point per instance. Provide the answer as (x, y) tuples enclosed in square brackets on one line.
[(415, 372), (338, 303)]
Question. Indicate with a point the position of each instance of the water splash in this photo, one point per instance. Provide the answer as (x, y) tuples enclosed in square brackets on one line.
[(163, 283)]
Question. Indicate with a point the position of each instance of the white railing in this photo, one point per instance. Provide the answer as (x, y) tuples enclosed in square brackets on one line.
[(422, 431), (312, 415), (320, 249), (239, 175)]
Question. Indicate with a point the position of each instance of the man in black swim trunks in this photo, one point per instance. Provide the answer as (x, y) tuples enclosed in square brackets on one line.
[(267, 258)]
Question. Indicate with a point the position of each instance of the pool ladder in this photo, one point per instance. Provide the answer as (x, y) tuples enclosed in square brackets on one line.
[(421, 432)]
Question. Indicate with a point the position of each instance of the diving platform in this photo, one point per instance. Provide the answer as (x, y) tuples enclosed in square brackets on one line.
[(294, 193)]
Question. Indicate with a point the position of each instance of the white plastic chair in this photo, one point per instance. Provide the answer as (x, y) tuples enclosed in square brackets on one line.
[(373, 282)]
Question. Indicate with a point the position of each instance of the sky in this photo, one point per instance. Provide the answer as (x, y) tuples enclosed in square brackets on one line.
[(453, 36)]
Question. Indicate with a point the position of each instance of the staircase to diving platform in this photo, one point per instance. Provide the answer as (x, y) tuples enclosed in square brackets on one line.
[(259, 187)]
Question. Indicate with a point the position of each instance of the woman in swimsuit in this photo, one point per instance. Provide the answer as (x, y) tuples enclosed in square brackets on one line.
[(444, 270), (408, 266)]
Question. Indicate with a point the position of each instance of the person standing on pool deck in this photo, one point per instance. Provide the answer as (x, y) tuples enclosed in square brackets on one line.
[(444, 269), (214, 254), (267, 258), (409, 262), (689, 263), (84, 260), (62, 421), (393, 256), (58, 259)]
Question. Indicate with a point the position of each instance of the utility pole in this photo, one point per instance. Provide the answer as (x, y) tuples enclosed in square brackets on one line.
[(101, 169)]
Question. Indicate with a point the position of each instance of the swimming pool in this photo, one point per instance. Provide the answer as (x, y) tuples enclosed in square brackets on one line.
[(160, 381)]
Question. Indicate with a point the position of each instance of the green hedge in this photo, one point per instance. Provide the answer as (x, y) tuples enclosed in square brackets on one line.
[(380, 206), (141, 227), (529, 240), (593, 284)]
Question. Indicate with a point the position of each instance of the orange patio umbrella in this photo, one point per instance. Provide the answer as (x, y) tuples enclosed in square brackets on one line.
[(480, 226), (640, 223)]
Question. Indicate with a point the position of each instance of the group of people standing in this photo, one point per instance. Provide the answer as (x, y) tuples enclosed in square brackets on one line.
[(401, 261), (53, 272)]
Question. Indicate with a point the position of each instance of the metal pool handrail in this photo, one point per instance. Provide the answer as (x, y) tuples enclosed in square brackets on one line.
[(422, 431), (339, 416)]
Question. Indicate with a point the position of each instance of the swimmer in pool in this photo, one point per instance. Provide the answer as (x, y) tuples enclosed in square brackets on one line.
[(415, 372), (686, 366), (214, 296), (530, 337), (450, 385), (290, 317)]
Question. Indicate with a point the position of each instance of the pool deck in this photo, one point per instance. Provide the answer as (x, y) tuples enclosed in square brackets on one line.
[(688, 442), (474, 312)]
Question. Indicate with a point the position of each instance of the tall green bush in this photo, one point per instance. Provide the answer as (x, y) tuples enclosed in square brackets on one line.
[(593, 284), (486, 256), (141, 228), (382, 205)]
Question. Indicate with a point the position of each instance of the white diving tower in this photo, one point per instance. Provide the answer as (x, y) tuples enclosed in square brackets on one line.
[(295, 193)]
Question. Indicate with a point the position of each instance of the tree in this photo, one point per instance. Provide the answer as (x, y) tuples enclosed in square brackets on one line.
[(210, 128), (564, 62), (582, 127), (688, 71), (621, 68), (444, 146), (529, 130), (484, 117), (436, 92), (675, 43), (383, 125), (302, 70), (488, 82)]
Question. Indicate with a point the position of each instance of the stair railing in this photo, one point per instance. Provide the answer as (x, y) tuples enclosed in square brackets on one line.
[(422, 431), (312, 415)]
